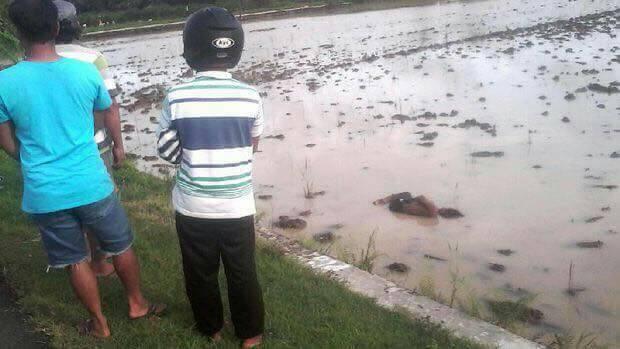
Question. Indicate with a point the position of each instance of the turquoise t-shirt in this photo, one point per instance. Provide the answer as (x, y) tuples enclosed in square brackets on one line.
[(51, 105)]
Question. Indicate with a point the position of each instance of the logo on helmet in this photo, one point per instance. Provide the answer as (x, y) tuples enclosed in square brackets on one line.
[(223, 42)]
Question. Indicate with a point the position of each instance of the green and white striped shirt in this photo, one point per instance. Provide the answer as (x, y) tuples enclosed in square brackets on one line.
[(206, 127)]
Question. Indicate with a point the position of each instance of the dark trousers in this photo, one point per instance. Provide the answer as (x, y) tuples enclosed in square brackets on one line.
[(203, 243)]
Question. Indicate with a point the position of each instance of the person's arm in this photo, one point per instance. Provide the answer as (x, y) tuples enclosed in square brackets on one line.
[(111, 118), (168, 142), (8, 142), (112, 123), (258, 127)]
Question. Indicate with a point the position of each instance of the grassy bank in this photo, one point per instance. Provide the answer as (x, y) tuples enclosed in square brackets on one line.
[(303, 309)]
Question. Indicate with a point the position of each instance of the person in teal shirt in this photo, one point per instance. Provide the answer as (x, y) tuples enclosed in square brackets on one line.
[(46, 123)]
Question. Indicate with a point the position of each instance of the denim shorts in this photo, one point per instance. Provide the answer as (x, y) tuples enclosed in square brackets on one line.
[(63, 236)]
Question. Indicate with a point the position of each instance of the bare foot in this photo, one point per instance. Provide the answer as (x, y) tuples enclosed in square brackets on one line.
[(253, 342), (94, 328), (216, 337), (151, 310)]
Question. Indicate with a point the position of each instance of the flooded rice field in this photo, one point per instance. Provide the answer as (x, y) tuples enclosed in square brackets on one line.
[(507, 111)]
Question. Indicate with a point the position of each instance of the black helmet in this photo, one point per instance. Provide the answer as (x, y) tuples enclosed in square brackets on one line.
[(212, 37), (69, 25)]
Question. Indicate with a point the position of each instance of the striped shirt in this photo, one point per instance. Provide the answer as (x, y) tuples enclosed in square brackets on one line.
[(206, 127), (85, 54), (96, 58)]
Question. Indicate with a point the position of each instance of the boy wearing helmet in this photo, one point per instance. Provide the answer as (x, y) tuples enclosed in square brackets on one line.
[(210, 127), (112, 153)]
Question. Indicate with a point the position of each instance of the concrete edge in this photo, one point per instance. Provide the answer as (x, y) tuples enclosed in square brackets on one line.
[(391, 296), (179, 25)]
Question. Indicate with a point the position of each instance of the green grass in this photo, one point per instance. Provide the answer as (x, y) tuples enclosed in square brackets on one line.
[(303, 309)]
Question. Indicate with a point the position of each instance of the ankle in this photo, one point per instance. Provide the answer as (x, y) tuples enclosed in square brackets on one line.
[(137, 303), (100, 324), (216, 337)]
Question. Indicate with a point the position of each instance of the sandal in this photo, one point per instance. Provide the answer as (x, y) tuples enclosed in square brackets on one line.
[(155, 310)]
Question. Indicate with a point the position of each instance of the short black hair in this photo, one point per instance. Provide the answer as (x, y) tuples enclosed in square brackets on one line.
[(35, 20), (68, 32)]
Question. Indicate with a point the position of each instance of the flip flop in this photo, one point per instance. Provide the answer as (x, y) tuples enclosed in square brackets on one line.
[(87, 329), (155, 310)]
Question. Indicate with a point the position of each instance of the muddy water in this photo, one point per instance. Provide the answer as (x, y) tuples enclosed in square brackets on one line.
[(335, 82)]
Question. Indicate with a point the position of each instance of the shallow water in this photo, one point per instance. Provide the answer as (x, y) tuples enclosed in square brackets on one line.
[(535, 200)]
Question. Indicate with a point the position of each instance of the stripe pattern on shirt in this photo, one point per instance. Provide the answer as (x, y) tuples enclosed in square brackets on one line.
[(207, 127)]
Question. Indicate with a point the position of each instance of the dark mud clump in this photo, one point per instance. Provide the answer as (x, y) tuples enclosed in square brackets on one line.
[(565, 119), (500, 268), (605, 186), (596, 87), (487, 154), (449, 213), (570, 97), (590, 244), (146, 98), (427, 116), (285, 222), (484, 126), (128, 128), (398, 267), (265, 197), (615, 155), (402, 118), (435, 258), (507, 312), (149, 158), (326, 236), (305, 213), (278, 137), (506, 252), (594, 219), (429, 136)]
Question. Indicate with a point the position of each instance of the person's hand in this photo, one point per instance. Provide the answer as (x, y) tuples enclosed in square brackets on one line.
[(119, 155)]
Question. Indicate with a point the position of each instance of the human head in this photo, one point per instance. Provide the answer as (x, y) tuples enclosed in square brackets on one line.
[(212, 39), (69, 25), (36, 21)]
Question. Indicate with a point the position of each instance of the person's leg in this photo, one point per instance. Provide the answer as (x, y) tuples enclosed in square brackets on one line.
[(244, 292), (108, 222), (199, 243), (65, 245), (84, 283), (98, 261), (128, 270)]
